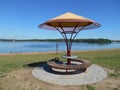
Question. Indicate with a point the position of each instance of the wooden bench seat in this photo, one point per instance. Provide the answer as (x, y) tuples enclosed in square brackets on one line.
[(59, 65)]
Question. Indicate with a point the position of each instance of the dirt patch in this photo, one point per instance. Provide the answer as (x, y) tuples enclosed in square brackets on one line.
[(23, 80)]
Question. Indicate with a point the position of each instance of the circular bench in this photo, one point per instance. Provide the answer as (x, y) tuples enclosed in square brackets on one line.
[(84, 64)]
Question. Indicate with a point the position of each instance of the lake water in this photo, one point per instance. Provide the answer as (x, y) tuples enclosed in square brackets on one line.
[(16, 47)]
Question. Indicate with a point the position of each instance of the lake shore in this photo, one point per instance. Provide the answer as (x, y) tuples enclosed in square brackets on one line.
[(23, 53)]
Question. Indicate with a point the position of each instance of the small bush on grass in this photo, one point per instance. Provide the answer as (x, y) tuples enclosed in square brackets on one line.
[(90, 87)]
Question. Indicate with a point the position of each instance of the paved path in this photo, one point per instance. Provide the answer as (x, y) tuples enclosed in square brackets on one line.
[(93, 74)]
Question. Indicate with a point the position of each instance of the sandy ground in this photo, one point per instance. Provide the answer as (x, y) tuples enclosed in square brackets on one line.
[(23, 80)]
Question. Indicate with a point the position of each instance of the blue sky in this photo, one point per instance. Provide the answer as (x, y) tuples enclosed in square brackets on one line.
[(19, 18)]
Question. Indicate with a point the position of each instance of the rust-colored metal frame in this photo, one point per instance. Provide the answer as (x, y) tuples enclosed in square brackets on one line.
[(69, 41)]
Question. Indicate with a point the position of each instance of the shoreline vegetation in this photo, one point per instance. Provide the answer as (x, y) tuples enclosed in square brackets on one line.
[(99, 40)]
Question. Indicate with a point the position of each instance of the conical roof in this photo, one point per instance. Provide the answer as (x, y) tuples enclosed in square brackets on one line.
[(70, 15), (69, 20)]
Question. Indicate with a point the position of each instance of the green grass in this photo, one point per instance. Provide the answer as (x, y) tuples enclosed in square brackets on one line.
[(115, 89), (1, 88), (106, 58), (90, 87), (87, 87), (12, 62)]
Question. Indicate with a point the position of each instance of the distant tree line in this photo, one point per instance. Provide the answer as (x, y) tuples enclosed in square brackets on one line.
[(100, 40)]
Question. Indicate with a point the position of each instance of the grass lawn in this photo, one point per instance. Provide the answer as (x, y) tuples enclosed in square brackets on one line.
[(109, 59), (105, 58), (12, 62)]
